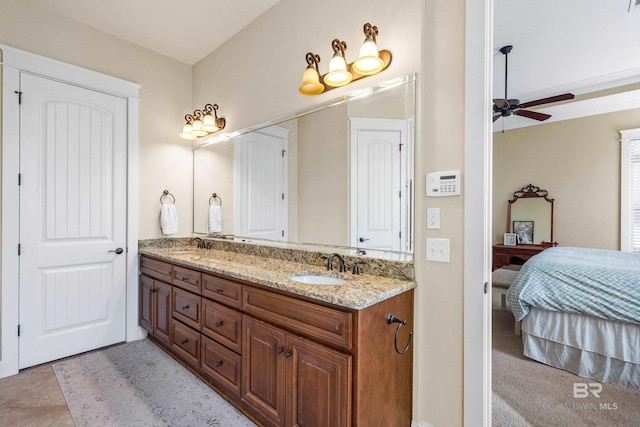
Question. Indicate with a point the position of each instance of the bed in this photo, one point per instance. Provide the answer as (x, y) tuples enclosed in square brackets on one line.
[(580, 311)]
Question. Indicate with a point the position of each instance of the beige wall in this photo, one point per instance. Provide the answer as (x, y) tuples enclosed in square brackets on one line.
[(165, 159), (578, 163), (254, 77)]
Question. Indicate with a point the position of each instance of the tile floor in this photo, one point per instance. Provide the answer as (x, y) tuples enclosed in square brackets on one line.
[(33, 398)]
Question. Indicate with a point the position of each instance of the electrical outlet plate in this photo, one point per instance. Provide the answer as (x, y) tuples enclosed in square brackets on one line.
[(433, 218)]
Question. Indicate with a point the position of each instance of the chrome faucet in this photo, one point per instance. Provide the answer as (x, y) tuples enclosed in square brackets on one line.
[(341, 267)]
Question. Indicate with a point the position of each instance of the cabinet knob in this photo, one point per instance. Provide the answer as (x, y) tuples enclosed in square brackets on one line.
[(184, 341), (288, 354), (185, 279), (218, 323), (280, 350), (219, 290), (218, 363)]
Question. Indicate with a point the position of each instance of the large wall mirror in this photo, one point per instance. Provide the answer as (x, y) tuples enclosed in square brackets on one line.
[(340, 175), (530, 216)]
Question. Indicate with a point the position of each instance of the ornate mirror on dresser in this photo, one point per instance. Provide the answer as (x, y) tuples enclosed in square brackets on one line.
[(530, 219)]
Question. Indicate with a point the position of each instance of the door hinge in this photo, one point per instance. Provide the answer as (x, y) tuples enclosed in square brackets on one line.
[(19, 248), (400, 147), (485, 286), (283, 151), (19, 96), (400, 234), (400, 194), (18, 330), (19, 179), (282, 233), (282, 196)]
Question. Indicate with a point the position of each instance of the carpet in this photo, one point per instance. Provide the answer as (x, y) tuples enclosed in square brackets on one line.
[(138, 384), (526, 392)]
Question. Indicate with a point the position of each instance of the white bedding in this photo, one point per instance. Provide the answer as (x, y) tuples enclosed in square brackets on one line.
[(590, 347)]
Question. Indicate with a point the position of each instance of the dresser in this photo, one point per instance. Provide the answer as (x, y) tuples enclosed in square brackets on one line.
[(505, 254)]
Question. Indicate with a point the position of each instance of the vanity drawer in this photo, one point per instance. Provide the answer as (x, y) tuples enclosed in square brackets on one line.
[(186, 343), (156, 269), (222, 324), (186, 307), (186, 279), (221, 363), (322, 323), (222, 290)]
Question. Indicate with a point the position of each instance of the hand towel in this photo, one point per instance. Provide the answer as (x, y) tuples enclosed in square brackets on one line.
[(215, 219), (169, 219)]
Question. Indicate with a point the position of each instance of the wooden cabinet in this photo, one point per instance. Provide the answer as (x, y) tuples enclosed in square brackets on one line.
[(504, 254), (282, 359), (155, 308), (293, 381)]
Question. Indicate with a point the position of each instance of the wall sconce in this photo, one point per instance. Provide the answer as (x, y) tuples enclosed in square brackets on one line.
[(202, 123), (370, 61)]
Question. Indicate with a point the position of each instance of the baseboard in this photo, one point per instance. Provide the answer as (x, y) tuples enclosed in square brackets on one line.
[(420, 424)]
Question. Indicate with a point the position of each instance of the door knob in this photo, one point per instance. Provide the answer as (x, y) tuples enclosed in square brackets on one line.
[(118, 251), (362, 239)]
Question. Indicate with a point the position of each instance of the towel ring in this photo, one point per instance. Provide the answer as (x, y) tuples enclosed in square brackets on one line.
[(214, 196), (166, 193)]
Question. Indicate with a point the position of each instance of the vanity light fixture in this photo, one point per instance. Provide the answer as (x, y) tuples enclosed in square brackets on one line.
[(338, 74), (202, 123), (370, 61)]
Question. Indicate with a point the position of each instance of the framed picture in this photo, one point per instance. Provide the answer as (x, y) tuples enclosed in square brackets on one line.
[(524, 231), (510, 239)]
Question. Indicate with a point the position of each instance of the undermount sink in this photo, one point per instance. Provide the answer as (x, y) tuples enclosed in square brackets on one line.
[(183, 251), (317, 279)]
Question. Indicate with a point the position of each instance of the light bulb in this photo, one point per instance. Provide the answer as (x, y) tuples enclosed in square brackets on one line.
[(338, 74)]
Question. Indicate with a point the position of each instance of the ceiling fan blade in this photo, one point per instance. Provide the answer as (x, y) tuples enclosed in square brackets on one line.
[(501, 103), (548, 100), (496, 117), (532, 115)]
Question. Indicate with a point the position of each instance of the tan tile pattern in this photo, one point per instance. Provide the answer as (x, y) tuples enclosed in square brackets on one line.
[(33, 398)]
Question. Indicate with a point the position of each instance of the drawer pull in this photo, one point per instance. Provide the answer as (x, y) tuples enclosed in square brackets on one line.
[(185, 307), (218, 323), (219, 290), (185, 279), (218, 363), (280, 350), (184, 341), (288, 354)]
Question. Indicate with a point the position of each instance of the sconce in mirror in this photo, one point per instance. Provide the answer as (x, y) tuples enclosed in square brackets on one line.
[(370, 61), (202, 123)]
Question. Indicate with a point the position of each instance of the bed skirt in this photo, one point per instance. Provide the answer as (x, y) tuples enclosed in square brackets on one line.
[(589, 347)]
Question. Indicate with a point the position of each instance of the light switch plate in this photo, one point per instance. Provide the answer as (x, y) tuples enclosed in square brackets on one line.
[(438, 250), (433, 218)]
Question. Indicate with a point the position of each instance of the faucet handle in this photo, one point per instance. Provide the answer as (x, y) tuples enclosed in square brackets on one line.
[(356, 268)]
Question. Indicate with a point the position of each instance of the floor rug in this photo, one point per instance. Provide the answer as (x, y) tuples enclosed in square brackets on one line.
[(138, 384)]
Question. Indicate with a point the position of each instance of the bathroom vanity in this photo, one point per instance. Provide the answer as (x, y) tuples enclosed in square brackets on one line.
[(285, 353)]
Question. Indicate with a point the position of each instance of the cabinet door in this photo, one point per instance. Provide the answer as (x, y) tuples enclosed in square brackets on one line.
[(146, 303), (162, 315), (318, 385), (263, 369)]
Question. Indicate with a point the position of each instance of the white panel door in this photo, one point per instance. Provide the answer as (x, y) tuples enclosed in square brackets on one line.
[(73, 161), (378, 183), (261, 176)]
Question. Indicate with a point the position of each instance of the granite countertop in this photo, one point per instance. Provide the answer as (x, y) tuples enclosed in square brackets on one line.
[(359, 292)]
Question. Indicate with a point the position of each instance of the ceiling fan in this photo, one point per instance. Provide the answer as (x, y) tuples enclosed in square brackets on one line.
[(506, 107)]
